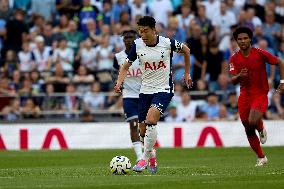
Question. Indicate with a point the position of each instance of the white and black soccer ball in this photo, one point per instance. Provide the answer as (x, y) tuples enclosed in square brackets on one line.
[(120, 165)]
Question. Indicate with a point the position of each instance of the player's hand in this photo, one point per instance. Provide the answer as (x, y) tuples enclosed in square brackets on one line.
[(243, 74), (187, 80), (280, 88), (117, 88)]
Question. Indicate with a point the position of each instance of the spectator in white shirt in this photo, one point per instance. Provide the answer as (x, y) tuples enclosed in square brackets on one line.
[(93, 100), (173, 115), (42, 55), (252, 18), (64, 55), (187, 108), (161, 9), (83, 80), (231, 4), (115, 39), (212, 7), (138, 7), (104, 54), (26, 58), (87, 55), (185, 17), (71, 102), (223, 20)]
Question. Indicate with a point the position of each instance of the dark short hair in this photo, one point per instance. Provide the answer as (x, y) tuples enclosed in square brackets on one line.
[(147, 21), (61, 38), (129, 32), (232, 93), (240, 30), (19, 11), (213, 44), (211, 94)]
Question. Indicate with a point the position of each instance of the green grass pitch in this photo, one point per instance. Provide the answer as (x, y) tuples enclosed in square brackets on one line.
[(178, 168)]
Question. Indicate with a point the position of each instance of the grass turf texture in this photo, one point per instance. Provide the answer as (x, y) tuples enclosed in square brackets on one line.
[(178, 168)]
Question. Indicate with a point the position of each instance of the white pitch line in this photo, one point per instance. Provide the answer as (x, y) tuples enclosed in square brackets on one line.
[(7, 177)]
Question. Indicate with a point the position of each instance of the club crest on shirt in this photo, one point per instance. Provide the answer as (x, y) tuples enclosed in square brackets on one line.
[(231, 67)]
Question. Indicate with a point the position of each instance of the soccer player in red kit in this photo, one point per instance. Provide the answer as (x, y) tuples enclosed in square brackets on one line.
[(247, 67)]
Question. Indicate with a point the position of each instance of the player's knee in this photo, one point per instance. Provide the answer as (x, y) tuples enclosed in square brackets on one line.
[(245, 124), (151, 119), (253, 122), (153, 116), (134, 123)]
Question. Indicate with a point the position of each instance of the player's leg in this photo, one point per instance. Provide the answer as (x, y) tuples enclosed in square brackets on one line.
[(142, 131), (159, 104), (153, 116), (262, 132), (258, 107), (253, 139), (143, 106), (130, 106), (255, 120), (134, 134), (244, 110)]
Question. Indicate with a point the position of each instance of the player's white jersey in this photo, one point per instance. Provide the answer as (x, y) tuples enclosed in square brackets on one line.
[(156, 64), (132, 82)]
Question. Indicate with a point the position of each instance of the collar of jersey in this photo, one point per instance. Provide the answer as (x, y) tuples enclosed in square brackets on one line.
[(154, 44)]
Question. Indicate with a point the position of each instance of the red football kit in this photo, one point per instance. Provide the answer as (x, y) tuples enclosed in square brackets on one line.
[(254, 90)]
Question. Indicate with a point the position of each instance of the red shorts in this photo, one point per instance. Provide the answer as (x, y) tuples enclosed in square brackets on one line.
[(247, 103)]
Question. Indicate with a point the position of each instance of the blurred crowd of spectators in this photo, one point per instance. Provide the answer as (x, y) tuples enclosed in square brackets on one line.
[(67, 47)]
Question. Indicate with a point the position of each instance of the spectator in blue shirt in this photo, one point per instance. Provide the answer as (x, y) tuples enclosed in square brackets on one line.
[(87, 13), (211, 107), (118, 7)]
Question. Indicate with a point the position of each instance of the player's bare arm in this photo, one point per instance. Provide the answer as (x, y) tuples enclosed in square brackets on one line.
[(281, 71), (187, 77), (122, 74), (242, 76)]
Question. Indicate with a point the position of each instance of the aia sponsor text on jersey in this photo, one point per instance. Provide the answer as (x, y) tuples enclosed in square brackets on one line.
[(134, 73), (155, 65)]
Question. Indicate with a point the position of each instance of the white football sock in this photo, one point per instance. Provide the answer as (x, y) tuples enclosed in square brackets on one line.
[(152, 153), (138, 149), (149, 140)]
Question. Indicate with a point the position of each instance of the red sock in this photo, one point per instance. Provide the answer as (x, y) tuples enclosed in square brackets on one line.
[(260, 126), (254, 142)]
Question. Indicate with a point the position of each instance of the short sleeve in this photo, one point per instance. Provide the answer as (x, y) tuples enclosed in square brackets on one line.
[(268, 57), (115, 63), (132, 55), (232, 66), (176, 46)]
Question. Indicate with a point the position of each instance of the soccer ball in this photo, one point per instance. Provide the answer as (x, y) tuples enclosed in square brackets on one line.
[(120, 165)]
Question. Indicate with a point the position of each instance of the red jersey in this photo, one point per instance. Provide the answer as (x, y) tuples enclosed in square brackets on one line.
[(257, 82)]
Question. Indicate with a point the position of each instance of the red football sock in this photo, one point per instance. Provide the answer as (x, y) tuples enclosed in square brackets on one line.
[(254, 142), (260, 126)]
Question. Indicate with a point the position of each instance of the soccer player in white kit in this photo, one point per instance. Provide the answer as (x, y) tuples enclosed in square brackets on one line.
[(131, 88), (155, 55)]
